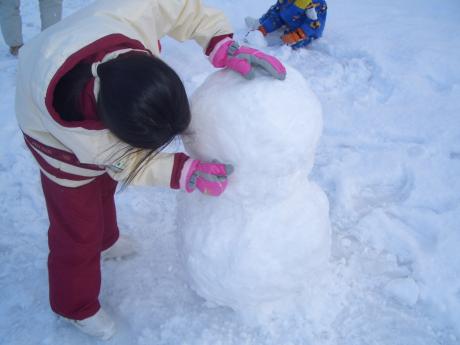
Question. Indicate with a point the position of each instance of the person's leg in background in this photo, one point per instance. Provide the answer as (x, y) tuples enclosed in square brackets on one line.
[(50, 12), (11, 24)]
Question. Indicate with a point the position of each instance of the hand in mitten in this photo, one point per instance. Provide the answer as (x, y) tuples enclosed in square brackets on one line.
[(242, 59), (209, 178), (297, 38)]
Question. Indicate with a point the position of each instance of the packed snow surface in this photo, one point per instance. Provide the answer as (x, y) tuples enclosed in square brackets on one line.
[(387, 74), (264, 240)]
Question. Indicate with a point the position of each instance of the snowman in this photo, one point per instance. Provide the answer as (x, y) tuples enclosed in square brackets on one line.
[(261, 244)]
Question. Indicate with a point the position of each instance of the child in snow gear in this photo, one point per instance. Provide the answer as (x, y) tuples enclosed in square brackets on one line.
[(97, 106), (303, 21)]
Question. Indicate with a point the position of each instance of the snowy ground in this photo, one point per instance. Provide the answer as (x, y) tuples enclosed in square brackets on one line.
[(388, 76)]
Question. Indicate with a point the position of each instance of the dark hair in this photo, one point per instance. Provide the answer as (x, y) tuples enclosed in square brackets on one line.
[(141, 100)]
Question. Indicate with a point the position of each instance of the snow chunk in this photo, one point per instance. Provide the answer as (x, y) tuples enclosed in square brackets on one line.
[(405, 290), (265, 239), (256, 39)]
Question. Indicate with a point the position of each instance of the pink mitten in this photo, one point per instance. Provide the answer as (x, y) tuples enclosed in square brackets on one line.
[(209, 177), (228, 53)]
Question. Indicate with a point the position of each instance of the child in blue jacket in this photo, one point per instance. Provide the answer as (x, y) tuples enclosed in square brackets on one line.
[(302, 20)]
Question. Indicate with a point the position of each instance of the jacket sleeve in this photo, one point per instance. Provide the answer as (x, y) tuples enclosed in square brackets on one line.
[(190, 19), (102, 148), (154, 171), (163, 169)]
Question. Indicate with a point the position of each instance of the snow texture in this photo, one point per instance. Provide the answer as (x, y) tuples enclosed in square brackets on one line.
[(404, 290), (255, 38), (387, 74), (268, 236)]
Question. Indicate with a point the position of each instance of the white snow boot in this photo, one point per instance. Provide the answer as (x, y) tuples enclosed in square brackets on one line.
[(122, 248), (252, 23), (100, 325)]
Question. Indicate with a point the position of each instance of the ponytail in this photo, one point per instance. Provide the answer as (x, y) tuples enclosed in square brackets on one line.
[(67, 95)]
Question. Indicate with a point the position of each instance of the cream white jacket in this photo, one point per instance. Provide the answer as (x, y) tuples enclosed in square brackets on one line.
[(87, 151)]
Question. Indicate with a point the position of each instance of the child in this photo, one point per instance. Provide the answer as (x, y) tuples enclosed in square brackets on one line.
[(97, 106), (302, 20)]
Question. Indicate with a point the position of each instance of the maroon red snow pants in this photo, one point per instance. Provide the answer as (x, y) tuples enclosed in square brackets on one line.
[(82, 224)]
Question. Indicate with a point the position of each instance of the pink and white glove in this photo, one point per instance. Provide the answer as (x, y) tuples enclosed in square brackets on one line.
[(209, 178), (228, 53)]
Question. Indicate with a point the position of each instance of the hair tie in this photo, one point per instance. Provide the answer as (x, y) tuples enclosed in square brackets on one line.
[(94, 67), (110, 56)]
